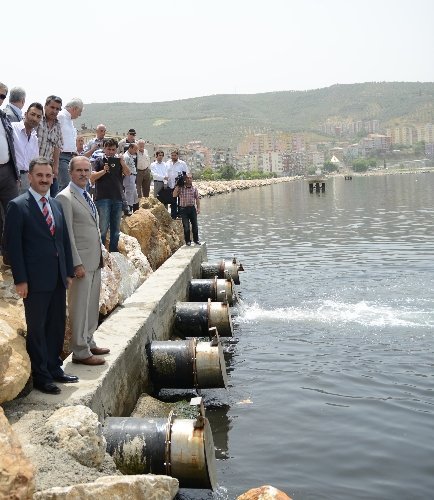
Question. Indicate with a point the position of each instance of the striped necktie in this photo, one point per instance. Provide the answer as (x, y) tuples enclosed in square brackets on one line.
[(46, 213), (90, 203)]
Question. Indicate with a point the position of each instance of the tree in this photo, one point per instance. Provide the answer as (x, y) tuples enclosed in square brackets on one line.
[(227, 172), (330, 166), (360, 165)]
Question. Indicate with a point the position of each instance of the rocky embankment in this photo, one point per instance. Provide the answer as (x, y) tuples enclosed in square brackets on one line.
[(211, 188)]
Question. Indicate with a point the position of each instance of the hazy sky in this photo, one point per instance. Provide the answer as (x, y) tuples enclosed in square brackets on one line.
[(163, 50)]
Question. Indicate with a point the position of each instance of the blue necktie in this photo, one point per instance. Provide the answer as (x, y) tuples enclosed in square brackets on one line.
[(90, 203)]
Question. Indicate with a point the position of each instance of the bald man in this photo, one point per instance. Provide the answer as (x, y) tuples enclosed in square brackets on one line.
[(95, 143)]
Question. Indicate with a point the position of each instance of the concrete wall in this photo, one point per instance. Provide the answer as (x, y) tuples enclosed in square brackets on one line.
[(112, 389)]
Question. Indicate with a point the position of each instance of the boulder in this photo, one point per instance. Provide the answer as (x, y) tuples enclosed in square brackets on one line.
[(16, 471), (158, 235), (110, 281), (77, 430), (130, 247), (264, 493), (136, 487), (14, 360)]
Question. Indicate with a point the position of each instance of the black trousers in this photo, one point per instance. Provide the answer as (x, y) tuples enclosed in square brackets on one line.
[(45, 317), (174, 209), (189, 214), (8, 190)]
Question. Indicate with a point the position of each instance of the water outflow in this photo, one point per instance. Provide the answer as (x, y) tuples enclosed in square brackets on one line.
[(329, 312)]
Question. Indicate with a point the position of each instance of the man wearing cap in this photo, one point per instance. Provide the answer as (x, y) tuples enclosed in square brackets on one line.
[(124, 143)]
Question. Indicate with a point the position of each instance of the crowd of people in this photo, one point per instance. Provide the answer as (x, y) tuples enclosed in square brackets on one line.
[(59, 197)]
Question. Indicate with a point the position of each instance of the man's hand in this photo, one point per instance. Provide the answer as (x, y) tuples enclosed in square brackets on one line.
[(68, 281), (79, 271), (22, 289)]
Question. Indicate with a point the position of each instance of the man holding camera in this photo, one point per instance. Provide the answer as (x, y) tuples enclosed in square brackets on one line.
[(175, 167), (189, 206), (107, 176)]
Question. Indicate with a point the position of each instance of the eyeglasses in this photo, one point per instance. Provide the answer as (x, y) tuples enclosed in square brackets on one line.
[(3, 96)]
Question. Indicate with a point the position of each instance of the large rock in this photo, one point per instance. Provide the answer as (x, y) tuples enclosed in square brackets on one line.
[(14, 360), (130, 247), (16, 472), (138, 487), (110, 281), (158, 235), (77, 430), (264, 493)]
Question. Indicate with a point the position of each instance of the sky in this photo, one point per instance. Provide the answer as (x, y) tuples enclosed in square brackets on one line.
[(143, 51)]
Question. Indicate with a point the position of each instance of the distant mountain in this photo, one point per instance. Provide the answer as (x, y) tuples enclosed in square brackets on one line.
[(222, 120)]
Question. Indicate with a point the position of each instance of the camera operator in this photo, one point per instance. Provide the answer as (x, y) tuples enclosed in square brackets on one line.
[(175, 166), (108, 171), (189, 206)]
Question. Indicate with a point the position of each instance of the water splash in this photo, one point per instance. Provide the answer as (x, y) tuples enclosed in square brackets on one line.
[(331, 312)]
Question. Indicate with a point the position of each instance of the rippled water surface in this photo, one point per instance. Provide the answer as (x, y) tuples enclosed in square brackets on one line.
[(331, 371)]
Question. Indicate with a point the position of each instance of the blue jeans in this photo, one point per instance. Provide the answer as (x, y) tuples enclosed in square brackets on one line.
[(110, 214), (63, 176)]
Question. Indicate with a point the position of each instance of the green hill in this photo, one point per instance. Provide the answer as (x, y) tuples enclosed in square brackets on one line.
[(221, 120)]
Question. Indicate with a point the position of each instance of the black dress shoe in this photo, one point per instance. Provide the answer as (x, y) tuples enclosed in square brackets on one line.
[(48, 388), (197, 243), (66, 379), (188, 243)]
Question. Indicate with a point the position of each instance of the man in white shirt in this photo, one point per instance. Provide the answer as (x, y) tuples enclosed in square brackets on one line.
[(159, 172), (175, 166), (26, 141), (71, 111), (143, 179)]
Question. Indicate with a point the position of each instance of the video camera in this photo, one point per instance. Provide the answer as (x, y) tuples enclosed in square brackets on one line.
[(180, 179)]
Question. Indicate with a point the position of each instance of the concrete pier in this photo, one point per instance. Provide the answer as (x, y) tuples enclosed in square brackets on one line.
[(112, 389)]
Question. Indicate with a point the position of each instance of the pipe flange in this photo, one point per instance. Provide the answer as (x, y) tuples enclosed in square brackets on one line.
[(195, 381), (168, 442)]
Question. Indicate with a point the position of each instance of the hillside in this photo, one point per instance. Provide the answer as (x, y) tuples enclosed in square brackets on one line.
[(221, 120)]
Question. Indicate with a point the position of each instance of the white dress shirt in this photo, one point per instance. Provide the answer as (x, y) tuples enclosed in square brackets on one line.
[(38, 197), (174, 169), (26, 148), (69, 132), (159, 170), (4, 148)]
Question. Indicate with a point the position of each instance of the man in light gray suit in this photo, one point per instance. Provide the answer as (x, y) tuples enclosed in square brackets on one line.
[(81, 218)]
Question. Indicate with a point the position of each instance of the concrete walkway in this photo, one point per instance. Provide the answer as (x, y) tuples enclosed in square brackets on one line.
[(112, 389)]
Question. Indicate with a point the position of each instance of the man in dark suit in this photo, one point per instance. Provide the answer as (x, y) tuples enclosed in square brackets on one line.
[(37, 244)]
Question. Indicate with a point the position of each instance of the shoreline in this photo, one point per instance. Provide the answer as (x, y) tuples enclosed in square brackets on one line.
[(212, 188)]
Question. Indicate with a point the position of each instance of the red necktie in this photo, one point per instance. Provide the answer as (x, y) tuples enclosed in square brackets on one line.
[(46, 214)]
